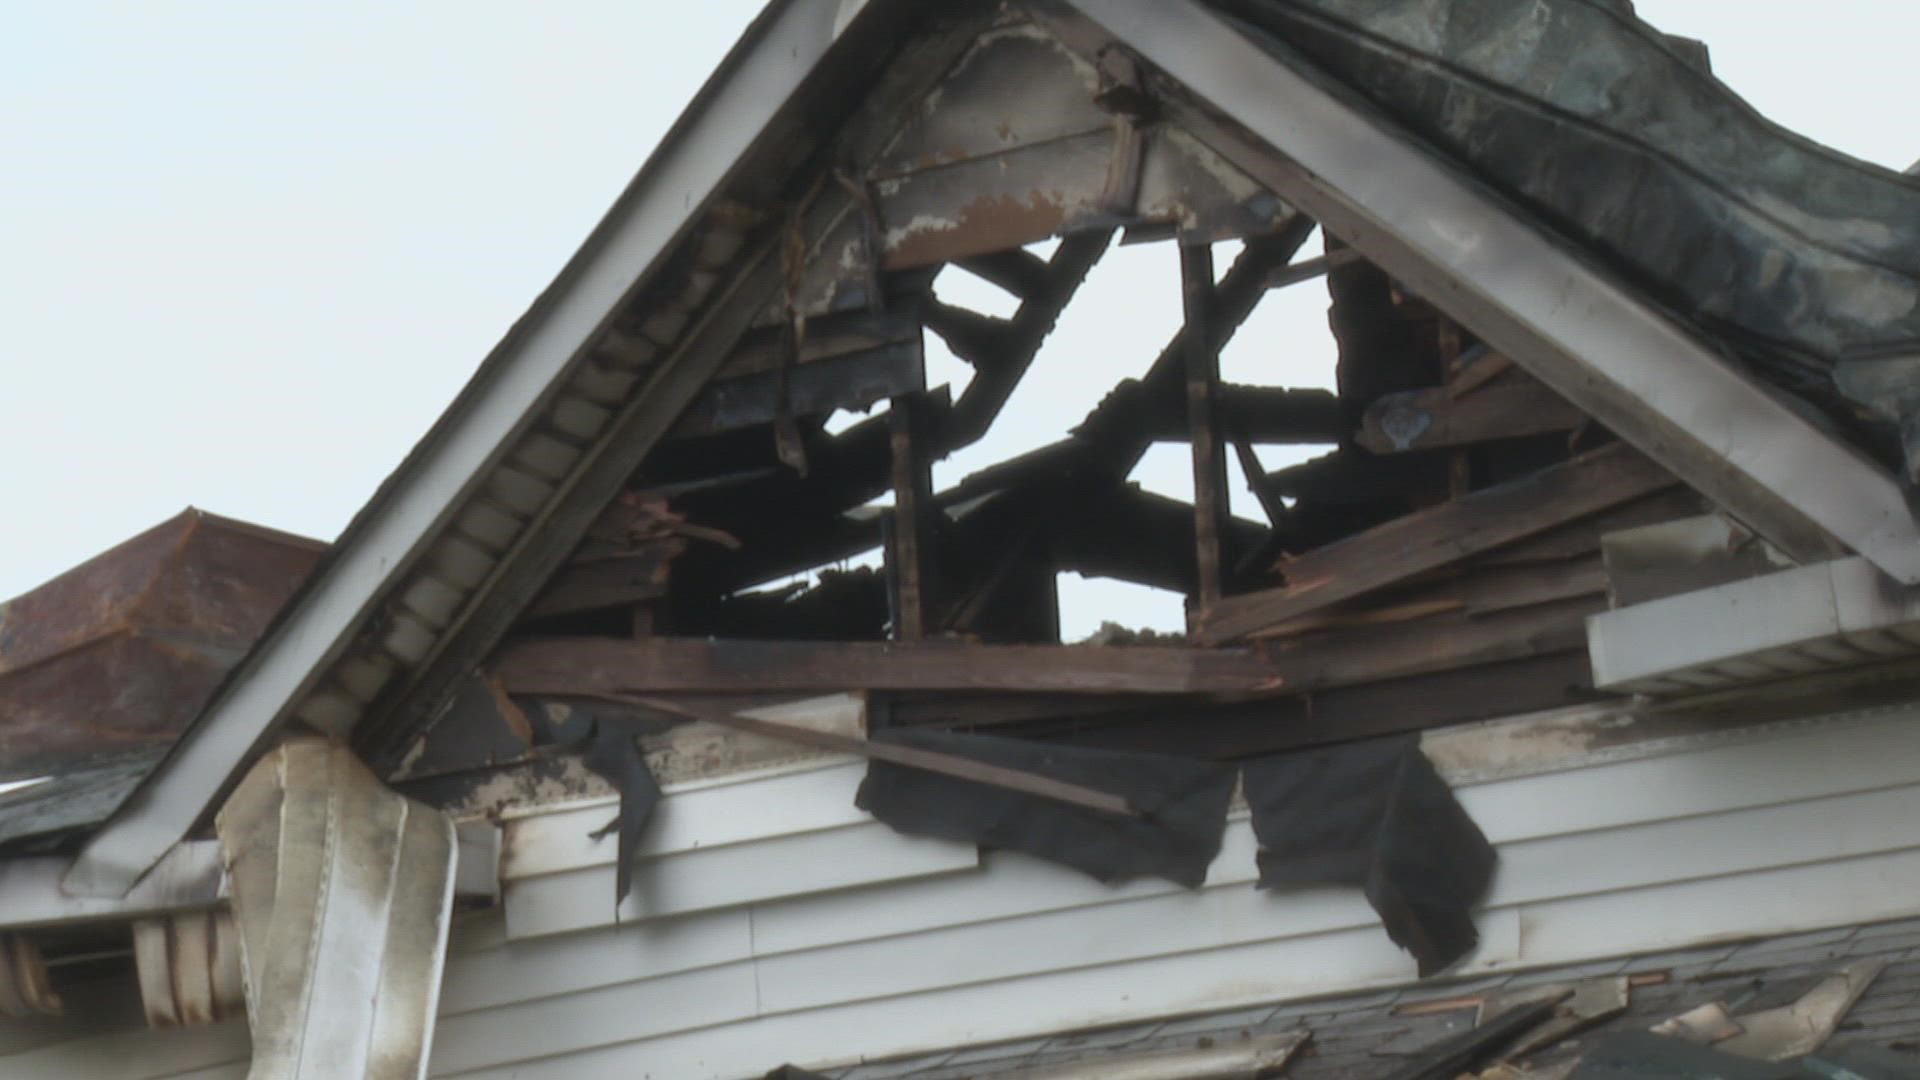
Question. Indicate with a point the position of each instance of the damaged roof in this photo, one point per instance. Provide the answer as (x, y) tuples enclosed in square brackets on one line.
[(810, 192)]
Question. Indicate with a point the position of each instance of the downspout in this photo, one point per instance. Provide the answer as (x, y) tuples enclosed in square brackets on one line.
[(343, 894)]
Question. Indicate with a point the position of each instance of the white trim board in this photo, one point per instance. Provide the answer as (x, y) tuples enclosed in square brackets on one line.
[(1829, 615)]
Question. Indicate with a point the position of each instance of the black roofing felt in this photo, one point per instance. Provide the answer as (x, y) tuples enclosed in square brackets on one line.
[(1184, 803), (1803, 260)]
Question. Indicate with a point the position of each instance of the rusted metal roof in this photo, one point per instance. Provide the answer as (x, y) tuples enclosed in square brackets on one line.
[(121, 652)]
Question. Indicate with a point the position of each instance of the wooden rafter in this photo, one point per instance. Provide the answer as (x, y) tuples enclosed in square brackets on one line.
[(1438, 536)]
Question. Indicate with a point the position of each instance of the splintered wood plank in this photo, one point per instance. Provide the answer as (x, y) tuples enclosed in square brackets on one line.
[(594, 666), (1438, 536)]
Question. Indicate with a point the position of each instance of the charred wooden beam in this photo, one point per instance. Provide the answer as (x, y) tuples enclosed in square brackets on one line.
[(1016, 270), (1272, 415), (840, 605), (1428, 419), (1120, 531), (973, 337), (1203, 430), (1256, 477), (1351, 476), (852, 381), (1438, 536), (995, 376), (828, 336), (910, 560), (1113, 426), (587, 667), (997, 559)]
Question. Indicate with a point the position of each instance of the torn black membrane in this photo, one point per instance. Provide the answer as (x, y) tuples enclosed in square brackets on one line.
[(1183, 804), (1375, 814)]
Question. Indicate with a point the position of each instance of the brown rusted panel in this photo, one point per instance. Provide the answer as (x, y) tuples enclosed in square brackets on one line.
[(124, 649)]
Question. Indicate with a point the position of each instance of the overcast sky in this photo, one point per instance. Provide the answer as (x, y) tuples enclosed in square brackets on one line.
[(249, 251)]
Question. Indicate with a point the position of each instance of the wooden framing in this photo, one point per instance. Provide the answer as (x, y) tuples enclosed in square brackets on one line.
[(1203, 428), (597, 666), (1437, 536)]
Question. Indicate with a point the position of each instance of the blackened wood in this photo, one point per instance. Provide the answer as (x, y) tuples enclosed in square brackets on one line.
[(1203, 431), (1266, 415), (592, 666), (975, 338), (1439, 536), (1256, 475), (838, 334), (910, 562), (1001, 573), (1120, 531), (1016, 270), (1113, 427), (996, 375), (853, 381)]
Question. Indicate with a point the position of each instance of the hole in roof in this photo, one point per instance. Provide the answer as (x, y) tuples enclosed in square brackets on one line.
[(964, 288), (1113, 329), (21, 785), (1044, 248), (873, 558), (944, 368), (842, 419), (1088, 603)]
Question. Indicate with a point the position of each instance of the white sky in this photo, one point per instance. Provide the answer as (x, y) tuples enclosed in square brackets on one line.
[(249, 251)]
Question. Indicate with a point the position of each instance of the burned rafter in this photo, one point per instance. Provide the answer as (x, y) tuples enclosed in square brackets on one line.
[(1113, 427), (1015, 270), (1266, 415), (1001, 358), (914, 586), (587, 667), (1202, 380), (1437, 417)]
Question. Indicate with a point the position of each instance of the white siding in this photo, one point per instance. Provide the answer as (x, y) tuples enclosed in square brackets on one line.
[(775, 957)]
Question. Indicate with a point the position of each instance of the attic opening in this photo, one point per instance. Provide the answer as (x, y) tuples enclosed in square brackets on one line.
[(1030, 360)]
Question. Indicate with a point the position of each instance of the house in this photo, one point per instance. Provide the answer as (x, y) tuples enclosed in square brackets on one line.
[(1569, 692)]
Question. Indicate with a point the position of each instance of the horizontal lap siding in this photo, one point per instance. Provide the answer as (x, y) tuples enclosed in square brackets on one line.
[(817, 936), (1785, 829)]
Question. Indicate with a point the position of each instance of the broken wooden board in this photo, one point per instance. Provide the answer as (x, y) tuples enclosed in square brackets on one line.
[(591, 666), (1436, 537), (1429, 419)]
